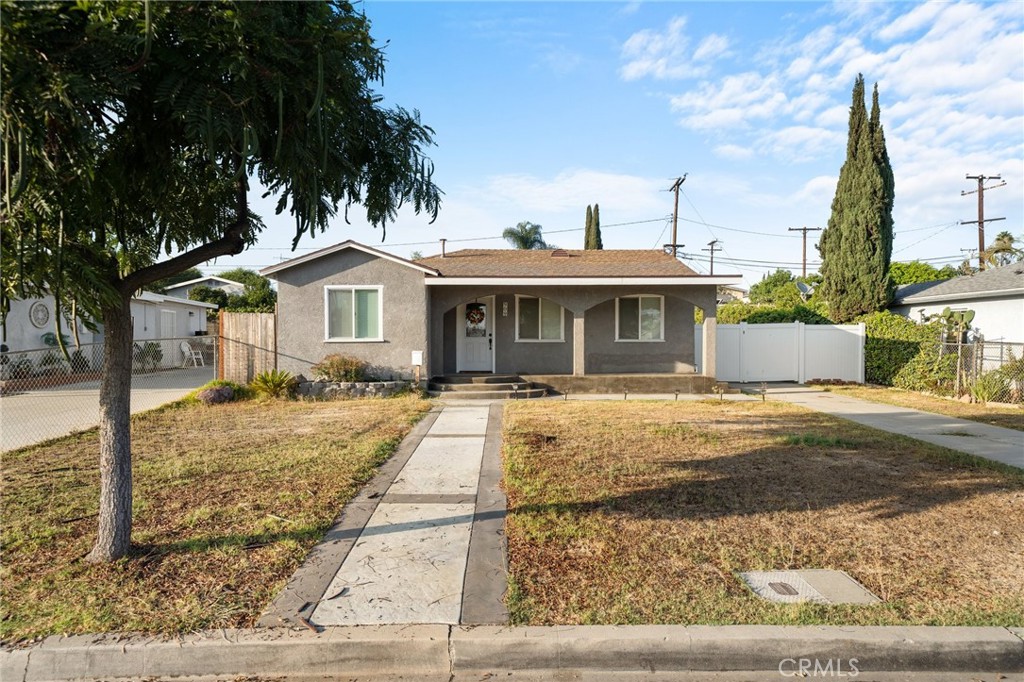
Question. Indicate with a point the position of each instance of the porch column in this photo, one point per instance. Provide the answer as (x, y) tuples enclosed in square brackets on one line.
[(708, 350), (578, 351)]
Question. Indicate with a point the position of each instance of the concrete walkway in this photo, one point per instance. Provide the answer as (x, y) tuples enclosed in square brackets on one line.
[(422, 543), (983, 440)]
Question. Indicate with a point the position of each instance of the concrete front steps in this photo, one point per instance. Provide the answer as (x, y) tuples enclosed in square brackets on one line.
[(483, 387)]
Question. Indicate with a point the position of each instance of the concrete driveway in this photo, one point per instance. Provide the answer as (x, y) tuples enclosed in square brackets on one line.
[(34, 416)]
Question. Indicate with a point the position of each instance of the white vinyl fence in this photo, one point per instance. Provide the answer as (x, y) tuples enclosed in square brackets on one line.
[(787, 352)]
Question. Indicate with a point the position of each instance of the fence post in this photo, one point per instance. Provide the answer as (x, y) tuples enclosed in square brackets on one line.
[(862, 370), (220, 346), (739, 345), (801, 360)]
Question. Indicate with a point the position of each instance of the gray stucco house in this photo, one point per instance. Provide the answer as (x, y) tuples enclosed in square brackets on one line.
[(520, 312)]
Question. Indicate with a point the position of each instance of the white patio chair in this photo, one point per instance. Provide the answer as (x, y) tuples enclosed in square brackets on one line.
[(190, 354)]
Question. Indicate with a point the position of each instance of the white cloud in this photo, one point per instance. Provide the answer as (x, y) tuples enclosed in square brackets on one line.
[(712, 47), (734, 152), (666, 54), (802, 143), (575, 188), (735, 101)]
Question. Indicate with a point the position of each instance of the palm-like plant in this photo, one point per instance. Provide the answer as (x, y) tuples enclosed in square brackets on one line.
[(1003, 250), (526, 235)]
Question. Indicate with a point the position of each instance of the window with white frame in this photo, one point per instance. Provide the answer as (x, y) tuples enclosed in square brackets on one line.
[(353, 313), (640, 318), (538, 319)]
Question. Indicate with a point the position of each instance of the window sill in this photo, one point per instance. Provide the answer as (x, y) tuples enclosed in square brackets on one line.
[(639, 340), (540, 341), (353, 340)]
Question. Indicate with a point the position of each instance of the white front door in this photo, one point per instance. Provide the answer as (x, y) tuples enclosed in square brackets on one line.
[(475, 330)]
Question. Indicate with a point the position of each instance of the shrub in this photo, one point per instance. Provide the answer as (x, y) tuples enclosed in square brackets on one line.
[(220, 391), (148, 355), (340, 368), (989, 387), (752, 313), (79, 363), (274, 383), (900, 352)]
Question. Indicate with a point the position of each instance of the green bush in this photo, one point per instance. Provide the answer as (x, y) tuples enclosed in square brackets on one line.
[(274, 383), (753, 313), (341, 368), (899, 352)]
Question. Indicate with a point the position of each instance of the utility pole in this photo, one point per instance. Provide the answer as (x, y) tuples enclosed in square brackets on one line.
[(675, 212), (713, 251), (981, 211), (805, 230)]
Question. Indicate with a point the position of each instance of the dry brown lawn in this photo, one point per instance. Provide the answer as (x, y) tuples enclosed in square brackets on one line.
[(1007, 416), (644, 512), (228, 499)]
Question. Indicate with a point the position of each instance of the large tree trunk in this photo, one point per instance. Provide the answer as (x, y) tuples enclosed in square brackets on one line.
[(115, 519)]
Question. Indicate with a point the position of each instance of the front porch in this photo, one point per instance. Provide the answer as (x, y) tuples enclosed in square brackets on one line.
[(593, 339)]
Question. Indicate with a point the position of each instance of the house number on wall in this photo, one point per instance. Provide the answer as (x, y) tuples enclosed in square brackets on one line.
[(39, 314)]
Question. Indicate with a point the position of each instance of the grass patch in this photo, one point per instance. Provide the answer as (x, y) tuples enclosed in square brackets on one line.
[(997, 415), (644, 512), (228, 499), (815, 440)]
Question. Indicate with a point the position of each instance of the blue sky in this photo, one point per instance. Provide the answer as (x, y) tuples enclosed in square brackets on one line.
[(542, 108)]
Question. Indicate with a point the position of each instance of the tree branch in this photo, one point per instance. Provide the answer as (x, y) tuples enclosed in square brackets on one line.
[(232, 243)]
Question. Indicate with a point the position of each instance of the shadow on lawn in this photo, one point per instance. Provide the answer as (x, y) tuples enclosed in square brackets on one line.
[(775, 480)]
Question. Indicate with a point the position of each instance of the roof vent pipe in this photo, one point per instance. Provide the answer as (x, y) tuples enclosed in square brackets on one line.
[(442, 247)]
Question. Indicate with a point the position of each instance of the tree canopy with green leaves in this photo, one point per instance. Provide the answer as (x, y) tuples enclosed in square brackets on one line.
[(526, 235), (130, 133), (916, 271), (856, 246)]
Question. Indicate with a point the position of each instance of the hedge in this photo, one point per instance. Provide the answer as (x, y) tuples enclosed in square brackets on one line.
[(899, 352), (753, 313)]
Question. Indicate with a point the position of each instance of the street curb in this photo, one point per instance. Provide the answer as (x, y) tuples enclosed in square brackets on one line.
[(442, 650), (654, 648)]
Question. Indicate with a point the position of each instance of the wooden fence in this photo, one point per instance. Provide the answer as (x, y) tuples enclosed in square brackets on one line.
[(247, 345)]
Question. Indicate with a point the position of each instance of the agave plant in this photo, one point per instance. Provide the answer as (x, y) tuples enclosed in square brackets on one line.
[(274, 383)]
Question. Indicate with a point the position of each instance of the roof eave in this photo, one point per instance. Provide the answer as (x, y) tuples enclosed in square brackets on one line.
[(349, 244), (931, 298), (677, 280)]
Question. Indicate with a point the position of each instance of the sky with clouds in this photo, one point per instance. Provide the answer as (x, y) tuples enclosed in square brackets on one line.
[(542, 108)]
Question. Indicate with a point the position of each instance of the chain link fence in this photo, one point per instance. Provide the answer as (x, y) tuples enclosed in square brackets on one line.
[(45, 395), (988, 371)]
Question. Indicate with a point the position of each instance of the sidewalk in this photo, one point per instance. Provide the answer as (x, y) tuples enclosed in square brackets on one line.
[(422, 543), (983, 440)]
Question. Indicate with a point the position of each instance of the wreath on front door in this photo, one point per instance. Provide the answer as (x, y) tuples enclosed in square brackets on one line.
[(475, 315)]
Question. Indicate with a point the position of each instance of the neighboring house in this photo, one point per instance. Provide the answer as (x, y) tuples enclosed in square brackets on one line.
[(228, 286), (996, 296), (727, 293), (501, 311), (154, 316)]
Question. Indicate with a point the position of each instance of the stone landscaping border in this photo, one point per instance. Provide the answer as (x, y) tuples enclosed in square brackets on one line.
[(334, 390)]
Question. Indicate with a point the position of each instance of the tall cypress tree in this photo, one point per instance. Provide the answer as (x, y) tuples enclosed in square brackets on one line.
[(856, 247), (592, 236), (588, 232)]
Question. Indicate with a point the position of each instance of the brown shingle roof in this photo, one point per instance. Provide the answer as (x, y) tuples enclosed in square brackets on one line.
[(589, 263)]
